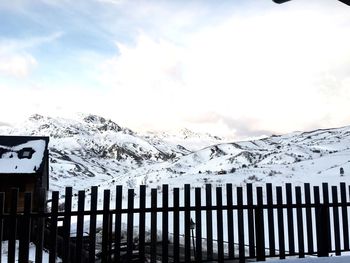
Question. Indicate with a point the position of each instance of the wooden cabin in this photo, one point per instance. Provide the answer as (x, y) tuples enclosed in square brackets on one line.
[(24, 164)]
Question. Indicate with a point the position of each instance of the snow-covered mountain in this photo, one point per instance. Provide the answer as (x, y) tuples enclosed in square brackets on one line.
[(91, 150)]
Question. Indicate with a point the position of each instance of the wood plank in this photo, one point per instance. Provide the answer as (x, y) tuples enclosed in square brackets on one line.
[(25, 229), (198, 224), (326, 203), (300, 223), (53, 227), (281, 242), (259, 219), (66, 253), (39, 231), (241, 244), (251, 226), (142, 223), (105, 226), (309, 232), (130, 225), (80, 226), (118, 222), (230, 226), (344, 209), (176, 225), (13, 226), (187, 223), (165, 223), (336, 220), (209, 219), (154, 225), (2, 202), (92, 226), (271, 220), (219, 221), (290, 219)]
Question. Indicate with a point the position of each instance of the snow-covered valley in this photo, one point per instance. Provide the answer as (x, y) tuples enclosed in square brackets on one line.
[(95, 151)]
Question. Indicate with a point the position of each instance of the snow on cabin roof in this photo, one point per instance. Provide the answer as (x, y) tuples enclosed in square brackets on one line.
[(22, 158)]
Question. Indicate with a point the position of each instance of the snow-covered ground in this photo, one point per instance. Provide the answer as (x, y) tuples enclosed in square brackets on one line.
[(91, 150)]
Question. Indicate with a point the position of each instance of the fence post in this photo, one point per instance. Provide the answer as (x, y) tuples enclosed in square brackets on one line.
[(198, 225), (321, 225), (25, 229), (80, 227), (105, 226), (130, 225), (118, 222), (187, 223), (220, 224), (53, 227), (92, 226), (209, 219), (165, 223), (250, 220), (259, 227), (13, 226), (2, 197), (176, 225), (240, 223), (153, 225), (230, 225), (39, 233), (142, 223)]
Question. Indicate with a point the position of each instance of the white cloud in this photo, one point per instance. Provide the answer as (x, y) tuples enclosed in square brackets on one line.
[(17, 65), (265, 67), (15, 58)]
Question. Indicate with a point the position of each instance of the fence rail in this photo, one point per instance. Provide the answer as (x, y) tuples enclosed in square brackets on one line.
[(179, 225)]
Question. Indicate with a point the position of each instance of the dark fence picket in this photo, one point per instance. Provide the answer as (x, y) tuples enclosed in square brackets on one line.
[(13, 226), (92, 226), (300, 223), (130, 226), (25, 229), (326, 203), (271, 220), (290, 219), (40, 226), (176, 230), (321, 225), (153, 225), (259, 221), (209, 219), (344, 214), (230, 226), (105, 226), (219, 221), (251, 220), (336, 220), (282, 251), (187, 220), (198, 224), (241, 248), (165, 223), (53, 227), (142, 223), (118, 222), (309, 232), (80, 226), (66, 251), (2, 201)]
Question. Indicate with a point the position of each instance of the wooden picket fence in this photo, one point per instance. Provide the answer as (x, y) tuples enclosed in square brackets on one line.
[(250, 223)]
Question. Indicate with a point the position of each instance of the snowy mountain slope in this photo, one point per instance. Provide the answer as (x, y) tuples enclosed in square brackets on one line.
[(91, 150)]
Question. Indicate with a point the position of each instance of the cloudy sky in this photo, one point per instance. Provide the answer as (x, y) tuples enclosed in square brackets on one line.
[(239, 67)]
